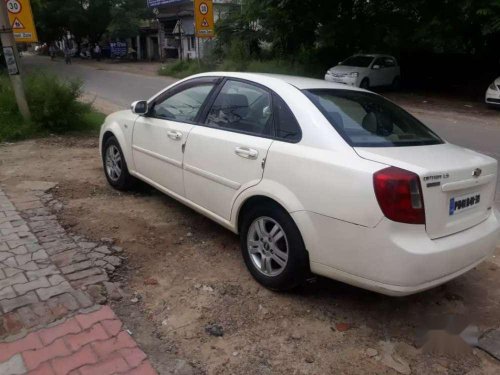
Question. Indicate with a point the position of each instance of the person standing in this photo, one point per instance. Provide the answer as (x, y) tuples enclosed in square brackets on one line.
[(97, 52), (68, 46), (52, 51)]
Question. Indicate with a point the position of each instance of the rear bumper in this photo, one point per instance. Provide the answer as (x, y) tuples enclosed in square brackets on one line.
[(392, 258)]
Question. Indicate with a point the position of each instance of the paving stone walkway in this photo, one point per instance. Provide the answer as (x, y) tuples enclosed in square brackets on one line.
[(51, 285)]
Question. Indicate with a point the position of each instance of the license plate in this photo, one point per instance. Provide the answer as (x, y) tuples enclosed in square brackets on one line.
[(464, 203)]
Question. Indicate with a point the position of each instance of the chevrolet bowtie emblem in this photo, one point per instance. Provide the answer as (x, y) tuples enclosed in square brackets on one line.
[(477, 172)]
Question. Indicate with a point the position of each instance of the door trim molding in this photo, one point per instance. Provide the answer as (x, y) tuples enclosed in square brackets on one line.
[(213, 177), (158, 156)]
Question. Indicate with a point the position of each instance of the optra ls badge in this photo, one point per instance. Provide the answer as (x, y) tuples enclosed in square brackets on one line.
[(435, 180)]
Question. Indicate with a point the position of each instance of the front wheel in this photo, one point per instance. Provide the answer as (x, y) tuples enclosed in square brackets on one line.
[(273, 248), (115, 166), (365, 84)]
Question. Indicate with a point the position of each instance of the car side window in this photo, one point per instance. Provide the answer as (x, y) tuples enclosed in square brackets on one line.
[(184, 105), (380, 62), (242, 107), (287, 127), (389, 62)]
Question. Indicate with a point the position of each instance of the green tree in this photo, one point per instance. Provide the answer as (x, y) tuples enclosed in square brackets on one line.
[(88, 18)]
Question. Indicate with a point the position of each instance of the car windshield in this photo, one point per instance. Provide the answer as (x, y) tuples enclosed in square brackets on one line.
[(369, 120), (358, 61)]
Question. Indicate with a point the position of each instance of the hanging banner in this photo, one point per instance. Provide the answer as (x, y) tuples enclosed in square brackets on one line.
[(21, 20), (204, 18)]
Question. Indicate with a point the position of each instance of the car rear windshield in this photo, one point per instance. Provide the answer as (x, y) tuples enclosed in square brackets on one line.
[(358, 61), (369, 120)]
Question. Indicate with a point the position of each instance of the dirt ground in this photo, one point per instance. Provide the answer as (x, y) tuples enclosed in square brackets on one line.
[(187, 275)]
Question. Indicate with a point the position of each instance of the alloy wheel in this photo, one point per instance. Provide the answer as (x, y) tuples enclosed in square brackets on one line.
[(113, 163), (267, 246)]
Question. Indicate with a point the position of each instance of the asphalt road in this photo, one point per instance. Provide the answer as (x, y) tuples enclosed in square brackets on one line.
[(120, 89)]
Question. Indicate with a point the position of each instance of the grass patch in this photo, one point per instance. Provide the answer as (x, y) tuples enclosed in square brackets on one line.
[(182, 69), (54, 105)]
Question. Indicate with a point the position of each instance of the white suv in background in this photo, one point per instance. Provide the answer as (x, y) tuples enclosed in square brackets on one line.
[(493, 94), (366, 71)]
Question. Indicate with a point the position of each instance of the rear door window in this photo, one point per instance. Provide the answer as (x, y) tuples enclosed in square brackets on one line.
[(242, 107), (369, 120)]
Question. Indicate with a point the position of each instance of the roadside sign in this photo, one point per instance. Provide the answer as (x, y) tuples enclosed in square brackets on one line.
[(10, 59), (118, 49), (204, 18), (21, 20)]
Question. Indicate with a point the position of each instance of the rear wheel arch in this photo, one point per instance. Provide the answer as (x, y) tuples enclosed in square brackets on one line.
[(259, 200), (253, 201)]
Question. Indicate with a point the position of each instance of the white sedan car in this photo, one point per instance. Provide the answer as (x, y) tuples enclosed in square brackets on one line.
[(366, 71), (493, 93), (314, 177)]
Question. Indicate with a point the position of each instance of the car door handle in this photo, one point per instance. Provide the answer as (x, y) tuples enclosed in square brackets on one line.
[(176, 136), (246, 152)]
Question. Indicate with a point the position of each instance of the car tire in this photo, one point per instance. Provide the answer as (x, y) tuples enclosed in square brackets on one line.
[(115, 166), (271, 219), (396, 84), (365, 84)]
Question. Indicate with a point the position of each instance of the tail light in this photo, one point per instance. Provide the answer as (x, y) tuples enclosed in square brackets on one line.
[(399, 195)]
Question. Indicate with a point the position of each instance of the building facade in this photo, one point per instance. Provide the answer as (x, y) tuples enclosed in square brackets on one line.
[(172, 34)]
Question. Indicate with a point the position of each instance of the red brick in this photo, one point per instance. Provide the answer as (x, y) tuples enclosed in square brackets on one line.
[(94, 333), (12, 323), (33, 358), (113, 327), (63, 365), (49, 335), (133, 356), (44, 369), (109, 366), (143, 369), (104, 348), (7, 350), (88, 320)]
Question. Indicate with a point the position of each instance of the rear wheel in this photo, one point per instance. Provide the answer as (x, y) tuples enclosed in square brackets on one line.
[(365, 84), (273, 248), (115, 166)]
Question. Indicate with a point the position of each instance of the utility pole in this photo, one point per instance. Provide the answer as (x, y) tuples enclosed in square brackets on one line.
[(12, 59)]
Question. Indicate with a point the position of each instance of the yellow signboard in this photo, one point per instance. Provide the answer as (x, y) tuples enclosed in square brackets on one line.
[(204, 18), (21, 19)]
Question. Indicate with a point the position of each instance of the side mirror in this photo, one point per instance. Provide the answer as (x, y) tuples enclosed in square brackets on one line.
[(376, 67), (139, 107), (267, 112)]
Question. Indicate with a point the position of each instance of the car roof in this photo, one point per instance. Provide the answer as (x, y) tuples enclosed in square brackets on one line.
[(372, 55), (301, 83)]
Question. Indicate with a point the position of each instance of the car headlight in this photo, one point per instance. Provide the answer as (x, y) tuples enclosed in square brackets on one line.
[(493, 86), (354, 75)]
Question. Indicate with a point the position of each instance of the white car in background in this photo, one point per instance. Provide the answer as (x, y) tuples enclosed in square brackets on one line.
[(493, 93), (313, 176), (366, 71)]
